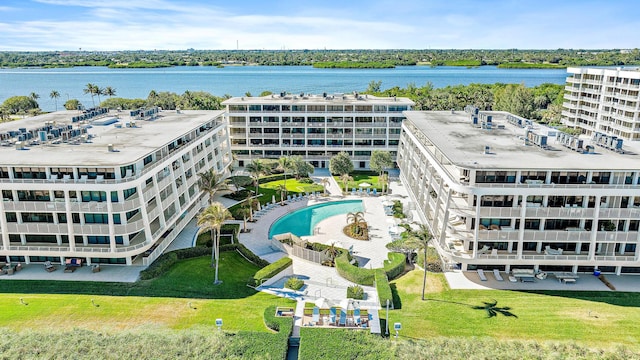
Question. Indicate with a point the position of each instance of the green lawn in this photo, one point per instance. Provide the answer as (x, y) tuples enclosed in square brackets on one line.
[(180, 299), (600, 319), (293, 186), (359, 178)]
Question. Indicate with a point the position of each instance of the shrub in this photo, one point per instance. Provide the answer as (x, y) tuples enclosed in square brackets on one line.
[(261, 345), (270, 270), (355, 292), (160, 266), (193, 252), (398, 210), (270, 178), (306, 180), (383, 288), (294, 283), (395, 265), (352, 273)]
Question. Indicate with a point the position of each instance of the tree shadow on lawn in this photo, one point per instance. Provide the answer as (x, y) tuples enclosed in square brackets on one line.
[(619, 298)]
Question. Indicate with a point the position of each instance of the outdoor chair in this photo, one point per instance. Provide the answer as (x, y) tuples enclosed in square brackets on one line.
[(356, 317), (375, 192), (49, 266), (483, 250), (315, 316), (332, 316), (496, 274), (481, 275), (343, 318), (353, 191)]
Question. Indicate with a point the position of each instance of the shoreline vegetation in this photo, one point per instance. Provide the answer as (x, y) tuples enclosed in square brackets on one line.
[(339, 59)]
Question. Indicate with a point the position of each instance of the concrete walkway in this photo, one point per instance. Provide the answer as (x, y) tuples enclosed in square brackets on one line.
[(108, 273)]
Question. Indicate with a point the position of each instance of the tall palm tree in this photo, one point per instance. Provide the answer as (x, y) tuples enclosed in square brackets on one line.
[(99, 91), (325, 184), (257, 168), (91, 90), (252, 204), (211, 219), (210, 181), (282, 189), (34, 96), (384, 181), (345, 178), (109, 91), (246, 213), (55, 95), (423, 236), (285, 164)]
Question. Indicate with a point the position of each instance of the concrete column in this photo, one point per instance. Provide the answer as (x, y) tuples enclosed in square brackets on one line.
[(523, 215), (594, 229), (69, 214), (3, 226)]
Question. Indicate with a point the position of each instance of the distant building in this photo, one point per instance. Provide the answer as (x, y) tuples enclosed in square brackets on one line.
[(105, 187), (315, 127), (603, 100), (499, 192)]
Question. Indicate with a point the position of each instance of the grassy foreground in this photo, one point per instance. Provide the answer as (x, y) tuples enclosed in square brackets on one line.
[(593, 319), (180, 299)]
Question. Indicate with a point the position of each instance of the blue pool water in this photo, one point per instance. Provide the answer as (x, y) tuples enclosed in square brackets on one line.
[(302, 222)]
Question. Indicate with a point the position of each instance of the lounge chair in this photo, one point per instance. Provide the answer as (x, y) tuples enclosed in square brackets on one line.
[(353, 191), (49, 266), (484, 250), (356, 317), (375, 192), (481, 275), (343, 318), (315, 319), (496, 274), (332, 316), (494, 252)]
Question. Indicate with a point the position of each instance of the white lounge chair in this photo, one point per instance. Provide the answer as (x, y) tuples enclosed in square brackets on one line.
[(496, 274), (483, 250), (481, 275), (494, 252)]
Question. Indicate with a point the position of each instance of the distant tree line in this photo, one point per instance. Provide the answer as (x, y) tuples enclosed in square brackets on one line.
[(509, 58), (541, 103)]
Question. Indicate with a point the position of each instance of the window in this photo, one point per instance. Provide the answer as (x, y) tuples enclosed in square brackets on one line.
[(96, 218), (11, 217), (132, 213), (34, 195), (116, 219), (129, 192), (99, 196)]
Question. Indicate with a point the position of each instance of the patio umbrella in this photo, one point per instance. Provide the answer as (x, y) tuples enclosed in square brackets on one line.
[(323, 303), (364, 184)]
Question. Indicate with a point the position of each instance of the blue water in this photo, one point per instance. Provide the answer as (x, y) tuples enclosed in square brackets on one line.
[(301, 222), (237, 80)]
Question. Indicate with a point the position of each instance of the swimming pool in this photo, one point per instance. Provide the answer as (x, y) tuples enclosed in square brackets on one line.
[(302, 222)]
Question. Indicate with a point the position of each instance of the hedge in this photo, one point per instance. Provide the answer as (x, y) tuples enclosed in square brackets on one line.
[(244, 251), (383, 288), (271, 270), (352, 273), (395, 265), (160, 266)]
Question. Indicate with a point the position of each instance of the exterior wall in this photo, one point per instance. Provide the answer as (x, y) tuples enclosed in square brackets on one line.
[(603, 100), (594, 221), (314, 127), (131, 218)]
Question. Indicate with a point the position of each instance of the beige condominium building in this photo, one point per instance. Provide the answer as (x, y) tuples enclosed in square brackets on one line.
[(315, 127), (104, 187), (500, 192), (603, 101)]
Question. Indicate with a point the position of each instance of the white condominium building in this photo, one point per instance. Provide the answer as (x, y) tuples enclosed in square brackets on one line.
[(104, 187), (498, 192), (315, 127), (603, 100)]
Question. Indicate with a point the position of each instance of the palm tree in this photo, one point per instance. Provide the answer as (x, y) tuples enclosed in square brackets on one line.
[(423, 236), (34, 96), (252, 203), (345, 178), (99, 91), (55, 95), (257, 168), (91, 90), (383, 180), (357, 222), (211, 219), (246, 212), (285, 164), (109, 91), (332, 252), (211, 182), (282, 189), (325, 184)]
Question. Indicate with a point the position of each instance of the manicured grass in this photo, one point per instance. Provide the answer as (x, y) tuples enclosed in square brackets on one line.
[(163, 301), (599, 319), (358, 178), (293, 186)]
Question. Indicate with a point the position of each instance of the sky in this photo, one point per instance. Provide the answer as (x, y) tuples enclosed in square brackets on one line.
[(327, 24)]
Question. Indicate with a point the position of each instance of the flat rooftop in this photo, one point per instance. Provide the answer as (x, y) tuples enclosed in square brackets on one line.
[(131, 143), (463, 144), (333, 98)]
